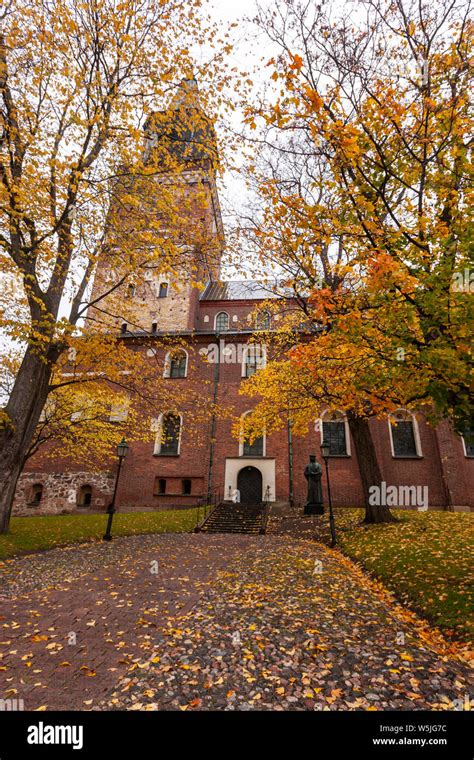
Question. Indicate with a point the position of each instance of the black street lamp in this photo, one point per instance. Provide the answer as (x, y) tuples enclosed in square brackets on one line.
[(325, 452), (122, 449)]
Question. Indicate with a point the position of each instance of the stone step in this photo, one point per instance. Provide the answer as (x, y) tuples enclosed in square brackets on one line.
[(236, 524), (232, 528), (216, 531), (235, 518)]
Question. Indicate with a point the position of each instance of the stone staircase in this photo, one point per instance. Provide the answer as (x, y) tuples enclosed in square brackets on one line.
[(234, 518)]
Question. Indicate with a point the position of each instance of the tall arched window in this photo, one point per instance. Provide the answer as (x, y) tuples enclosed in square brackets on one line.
[(176, 363), (256, 448), (222, 322), (131, 291), (119, 410), (468, 441), (163, 291), (335, 432), (263, 320), (404, 435), (254, 358), (168, 438), (85, 496)]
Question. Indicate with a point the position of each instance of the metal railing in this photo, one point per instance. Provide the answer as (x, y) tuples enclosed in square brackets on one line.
[(265, 510), (205, 506)]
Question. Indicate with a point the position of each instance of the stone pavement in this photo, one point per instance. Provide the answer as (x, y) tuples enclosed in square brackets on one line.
[(73, 620), (199, 622)]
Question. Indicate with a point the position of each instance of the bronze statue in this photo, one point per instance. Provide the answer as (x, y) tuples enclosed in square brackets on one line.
[(313, 473)]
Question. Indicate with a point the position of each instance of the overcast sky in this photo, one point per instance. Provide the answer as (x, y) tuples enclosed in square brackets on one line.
[(247, 55)]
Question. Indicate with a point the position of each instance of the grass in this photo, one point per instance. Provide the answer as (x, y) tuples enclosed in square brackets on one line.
[(35, 533), (426, 560)]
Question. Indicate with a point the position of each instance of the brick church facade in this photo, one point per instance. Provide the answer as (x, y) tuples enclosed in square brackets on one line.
[(179, 469)]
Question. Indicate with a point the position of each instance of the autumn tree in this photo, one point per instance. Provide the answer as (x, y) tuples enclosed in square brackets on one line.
[(79, 82), (364, 167)]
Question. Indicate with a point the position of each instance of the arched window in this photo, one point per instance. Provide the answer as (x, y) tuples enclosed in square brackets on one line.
[(85, 496), (131, 291), (404, 435), (335, 432), (119, 410), (222, 322), (263, 320), (168, 439), (254, 449), (176, 363), (36, 494), (163, 291), (254, 358)]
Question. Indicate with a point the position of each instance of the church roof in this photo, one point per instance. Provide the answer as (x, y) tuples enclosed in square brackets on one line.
[(239, 290)]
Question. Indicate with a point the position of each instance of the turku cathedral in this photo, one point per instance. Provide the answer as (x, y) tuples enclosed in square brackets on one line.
[(174, 468)]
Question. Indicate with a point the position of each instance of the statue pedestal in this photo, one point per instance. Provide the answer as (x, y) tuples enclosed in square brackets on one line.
[(313, 508)]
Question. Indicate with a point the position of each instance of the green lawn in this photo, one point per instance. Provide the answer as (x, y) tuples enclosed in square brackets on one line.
[(426, 559), (32, 533)]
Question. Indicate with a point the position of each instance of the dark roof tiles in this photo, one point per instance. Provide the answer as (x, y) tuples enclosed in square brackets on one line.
[(240, 290)]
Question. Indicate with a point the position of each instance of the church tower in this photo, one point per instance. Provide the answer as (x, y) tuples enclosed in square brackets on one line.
[(173, 210)]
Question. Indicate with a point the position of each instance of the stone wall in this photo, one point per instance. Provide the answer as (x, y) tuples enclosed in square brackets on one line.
[(61, 492)]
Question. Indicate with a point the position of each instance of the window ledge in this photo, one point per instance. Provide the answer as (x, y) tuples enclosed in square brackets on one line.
[(162, 454), (407, 456), (179, 495)]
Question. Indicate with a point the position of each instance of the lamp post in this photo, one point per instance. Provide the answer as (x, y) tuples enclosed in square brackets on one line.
[(325, 452), (122, 449)]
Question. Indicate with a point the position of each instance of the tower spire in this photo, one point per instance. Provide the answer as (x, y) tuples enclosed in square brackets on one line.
[(187, 94)]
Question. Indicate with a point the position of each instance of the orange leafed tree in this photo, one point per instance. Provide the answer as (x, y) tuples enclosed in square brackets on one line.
[(79, 81), (366, 174)]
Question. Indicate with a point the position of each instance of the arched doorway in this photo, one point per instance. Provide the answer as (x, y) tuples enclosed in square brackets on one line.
[(249, 483)]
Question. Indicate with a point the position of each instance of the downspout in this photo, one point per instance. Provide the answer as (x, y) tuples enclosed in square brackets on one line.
[(213, 421), (290, 462)]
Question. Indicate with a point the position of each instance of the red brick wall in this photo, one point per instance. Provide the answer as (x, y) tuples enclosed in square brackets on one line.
[(240, 309), (442, 467)]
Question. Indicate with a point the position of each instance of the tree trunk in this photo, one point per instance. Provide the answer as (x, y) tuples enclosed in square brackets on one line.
[(369, 469), (21, 416)]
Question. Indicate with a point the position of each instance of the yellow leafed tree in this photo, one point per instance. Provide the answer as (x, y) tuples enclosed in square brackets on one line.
[(79, 82)]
